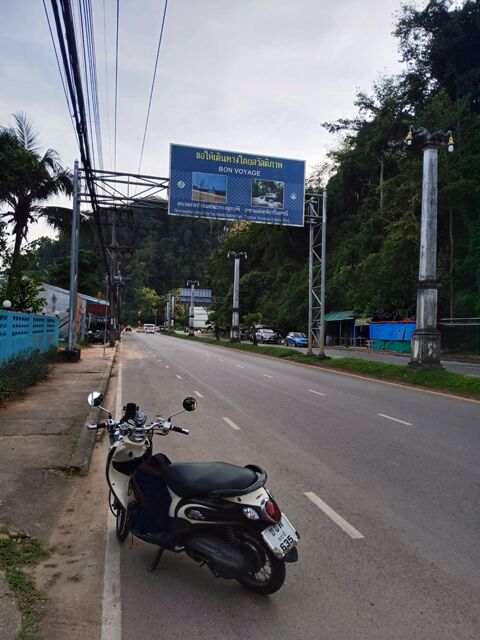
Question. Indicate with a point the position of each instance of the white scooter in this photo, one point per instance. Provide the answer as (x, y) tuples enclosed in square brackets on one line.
[(219, 514)]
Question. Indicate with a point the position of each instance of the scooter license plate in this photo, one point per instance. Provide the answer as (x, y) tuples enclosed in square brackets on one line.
[(281, 537)]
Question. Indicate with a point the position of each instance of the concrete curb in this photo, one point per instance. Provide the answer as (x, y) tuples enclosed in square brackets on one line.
[(80, 460)]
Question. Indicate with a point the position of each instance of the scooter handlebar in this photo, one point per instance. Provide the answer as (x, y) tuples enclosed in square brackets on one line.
[(101, 425), (180, 430)]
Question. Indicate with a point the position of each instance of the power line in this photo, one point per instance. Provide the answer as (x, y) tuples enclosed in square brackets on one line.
[(68, 48), (106, 81), (153, 84), (70, 107), (93, 77), (116, 92)]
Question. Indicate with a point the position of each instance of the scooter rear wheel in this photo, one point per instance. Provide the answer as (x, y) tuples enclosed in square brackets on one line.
[(269, 578)]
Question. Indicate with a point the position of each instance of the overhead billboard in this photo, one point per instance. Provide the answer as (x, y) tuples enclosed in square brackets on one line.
[(229, 185), (200, 296)]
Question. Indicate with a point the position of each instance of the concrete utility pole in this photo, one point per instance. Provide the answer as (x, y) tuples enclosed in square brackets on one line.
[(191, 317), (426, 337), (167, 314), (235, 331), (72, 313), (171, 326)]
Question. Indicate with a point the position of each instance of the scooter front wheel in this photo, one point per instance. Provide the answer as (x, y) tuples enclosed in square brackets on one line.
[(121, 520), (269, 578), (121, 525)]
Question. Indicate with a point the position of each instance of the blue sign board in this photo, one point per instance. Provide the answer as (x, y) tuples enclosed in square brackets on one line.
[(202, 296), (228, 185)]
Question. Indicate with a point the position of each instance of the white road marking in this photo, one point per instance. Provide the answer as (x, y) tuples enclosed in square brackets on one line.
[(240, 366), (382, 415), (267, 376), (232, 424), (159, 360), (111, 602), (179, 377), (319, 393), (167, 367), (220, 359), (333, 515), (197, 393)]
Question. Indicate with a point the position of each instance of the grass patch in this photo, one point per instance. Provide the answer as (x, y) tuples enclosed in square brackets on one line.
[(429, 378), (16, 552), (23, 371)]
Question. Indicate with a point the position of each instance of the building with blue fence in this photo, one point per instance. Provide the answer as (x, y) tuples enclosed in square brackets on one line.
[(21, 333)]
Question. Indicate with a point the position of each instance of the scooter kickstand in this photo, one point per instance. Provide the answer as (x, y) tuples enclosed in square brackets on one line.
[(156, 560)]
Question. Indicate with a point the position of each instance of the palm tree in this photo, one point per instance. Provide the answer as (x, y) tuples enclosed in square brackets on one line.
[(32, 179)]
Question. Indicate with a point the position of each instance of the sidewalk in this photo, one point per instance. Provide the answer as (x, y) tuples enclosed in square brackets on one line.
[(42, 439)]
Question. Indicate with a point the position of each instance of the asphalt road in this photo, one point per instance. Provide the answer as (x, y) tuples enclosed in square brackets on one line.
[(399, 466), (465, 368)]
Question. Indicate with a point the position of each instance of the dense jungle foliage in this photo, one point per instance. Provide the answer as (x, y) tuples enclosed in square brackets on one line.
[(374, 203)]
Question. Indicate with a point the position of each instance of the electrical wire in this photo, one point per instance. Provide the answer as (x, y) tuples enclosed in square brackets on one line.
[(69, 51), (116, 91), (70, 108), (93, 79), (107, 84), (153, 84)]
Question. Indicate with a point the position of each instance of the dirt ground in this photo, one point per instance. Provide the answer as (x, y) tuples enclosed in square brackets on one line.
[(72, 577)]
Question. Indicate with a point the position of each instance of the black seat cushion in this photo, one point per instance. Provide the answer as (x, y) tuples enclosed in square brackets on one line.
[(199, 478)]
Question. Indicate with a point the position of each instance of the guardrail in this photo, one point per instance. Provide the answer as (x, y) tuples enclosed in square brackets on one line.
[(23, 332)]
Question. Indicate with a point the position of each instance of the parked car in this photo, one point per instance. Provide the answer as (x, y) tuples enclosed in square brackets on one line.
[(267, 336), (149, 328), (128, 328), (296, 339)]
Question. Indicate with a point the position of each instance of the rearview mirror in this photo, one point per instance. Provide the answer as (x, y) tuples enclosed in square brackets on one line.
[(190, 404), (95, 399)]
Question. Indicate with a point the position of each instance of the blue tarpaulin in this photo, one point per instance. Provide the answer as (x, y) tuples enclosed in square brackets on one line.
[(392, 331)]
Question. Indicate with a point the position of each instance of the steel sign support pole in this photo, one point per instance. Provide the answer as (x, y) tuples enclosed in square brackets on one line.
[(72, 334), (310, 284), (314, 270), (321, 351)]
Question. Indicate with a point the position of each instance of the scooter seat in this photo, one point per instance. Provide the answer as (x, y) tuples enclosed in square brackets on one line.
[(201, 478)]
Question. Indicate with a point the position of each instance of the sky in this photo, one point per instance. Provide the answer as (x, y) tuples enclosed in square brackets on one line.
[(255, 76)]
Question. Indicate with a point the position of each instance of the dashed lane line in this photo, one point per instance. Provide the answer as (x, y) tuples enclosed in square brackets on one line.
[(333, 515), (232, 424), (177, 376), (197, 393), (383, 415), (318, 393), (267, 376)]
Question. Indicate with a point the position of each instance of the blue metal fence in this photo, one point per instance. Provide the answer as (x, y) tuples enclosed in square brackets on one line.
[(21, 332)]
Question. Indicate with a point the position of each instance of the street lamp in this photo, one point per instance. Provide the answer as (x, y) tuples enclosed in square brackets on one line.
[(191, 326), (426, 337), (235, 332), (7, 304)]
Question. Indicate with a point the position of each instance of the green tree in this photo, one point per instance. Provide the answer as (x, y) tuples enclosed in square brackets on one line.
[(31, 180)]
